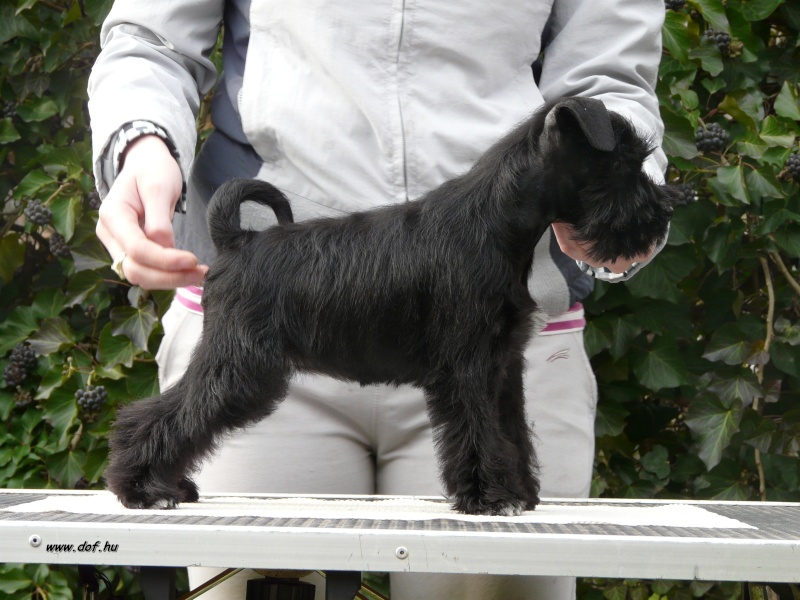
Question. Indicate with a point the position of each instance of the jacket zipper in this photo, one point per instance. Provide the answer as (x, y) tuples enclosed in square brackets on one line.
[(404, 164)]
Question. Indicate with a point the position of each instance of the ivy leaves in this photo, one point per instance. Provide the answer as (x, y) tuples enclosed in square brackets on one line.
[(58, 294), (698, 356)]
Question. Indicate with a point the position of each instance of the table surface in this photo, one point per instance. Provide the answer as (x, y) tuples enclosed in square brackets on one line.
[(718, 541)]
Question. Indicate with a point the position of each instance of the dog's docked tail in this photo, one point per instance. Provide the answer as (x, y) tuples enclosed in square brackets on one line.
[(224, 209)]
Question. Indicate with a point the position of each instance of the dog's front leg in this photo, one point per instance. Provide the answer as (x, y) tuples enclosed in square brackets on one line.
[(479, 462), (232, 380), (513, 421)]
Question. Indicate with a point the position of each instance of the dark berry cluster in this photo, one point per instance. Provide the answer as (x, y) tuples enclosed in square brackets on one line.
[(721, 39), (9, 108), (94, 200), (90, 311), (14, 374), (793, 165), (21, 362), (712, 138), (58, 246), (675, 4), (688, 193), (38, 213), (92, 398)]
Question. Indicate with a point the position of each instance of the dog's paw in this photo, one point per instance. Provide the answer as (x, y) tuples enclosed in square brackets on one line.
[(532, 502), (147, 492), (506, 507)]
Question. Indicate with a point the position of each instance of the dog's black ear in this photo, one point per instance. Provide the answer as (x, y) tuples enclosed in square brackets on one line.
[(591, 116)]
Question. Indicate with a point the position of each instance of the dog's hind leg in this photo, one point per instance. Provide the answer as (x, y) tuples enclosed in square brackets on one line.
[(513, 421), (156, 443), (478, 460)]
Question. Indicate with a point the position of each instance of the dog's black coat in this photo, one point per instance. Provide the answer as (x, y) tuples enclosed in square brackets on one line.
[(432, 293)]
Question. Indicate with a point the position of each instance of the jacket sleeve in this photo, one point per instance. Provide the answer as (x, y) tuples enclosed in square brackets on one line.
[(609, 50), (154, 66)]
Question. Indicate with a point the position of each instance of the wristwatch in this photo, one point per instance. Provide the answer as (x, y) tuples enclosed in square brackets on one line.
[(133, 130)]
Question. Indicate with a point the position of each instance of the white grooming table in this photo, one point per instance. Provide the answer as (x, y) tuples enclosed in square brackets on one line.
[(717, 541)]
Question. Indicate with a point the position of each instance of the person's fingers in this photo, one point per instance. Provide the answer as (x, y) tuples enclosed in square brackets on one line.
[(119, 221), (152, 279), (135, 220), (146, 275)]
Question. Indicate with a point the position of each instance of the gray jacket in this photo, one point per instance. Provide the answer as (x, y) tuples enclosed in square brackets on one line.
[(351, 105)]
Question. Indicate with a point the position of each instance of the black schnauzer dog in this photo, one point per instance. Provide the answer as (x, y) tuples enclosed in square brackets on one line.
[(432, 293)]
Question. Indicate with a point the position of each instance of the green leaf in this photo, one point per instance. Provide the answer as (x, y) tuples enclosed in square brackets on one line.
[(787, 104), (73, 14), (8, 133), (776, 133), (66, 211), (25, 5), (713, 424), (32, 183), (96, 461), (773, 221), (16, 328), (788, 238), (751, 145), (758, 10), (662, 366), (90, 255), (617, 592), (63, 160), (142, 382), (786, 331), (610, 419), (82, 285), (675, 35), (786, 358), (36, 110), (746, 107), (713, 12), (135, 323), (61, 411), (729, 345), (660, 277), (12, 255), (732, 181), (12, 26), (54, 335), (66, 466), (52, 380), (48, 303), (623, 332), (597, 337), (762, 184), (742, 387), (722, 245), (113, 350), (710, 58), (678, 136), (11, 584), (657, 462)]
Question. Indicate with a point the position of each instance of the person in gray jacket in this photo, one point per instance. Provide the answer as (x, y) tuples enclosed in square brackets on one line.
[(348, 106)]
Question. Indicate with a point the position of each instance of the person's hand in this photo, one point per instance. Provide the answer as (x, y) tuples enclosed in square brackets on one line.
[(565, 236), (135, 222)]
